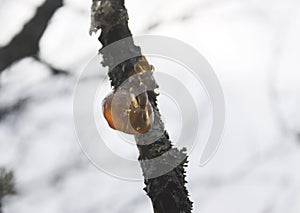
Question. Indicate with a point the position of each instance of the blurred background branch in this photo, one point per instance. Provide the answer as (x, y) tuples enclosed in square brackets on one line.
[(6, 185), (26, 43)]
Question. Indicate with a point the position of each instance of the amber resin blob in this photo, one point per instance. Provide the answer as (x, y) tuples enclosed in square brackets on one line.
[(124, 110), (127, 113)]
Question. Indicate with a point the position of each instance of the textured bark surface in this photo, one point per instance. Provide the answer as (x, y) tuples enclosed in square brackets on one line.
[(167, 191)]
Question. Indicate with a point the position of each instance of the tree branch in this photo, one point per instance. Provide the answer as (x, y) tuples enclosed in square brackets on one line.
[(167, 192), (26, 43)]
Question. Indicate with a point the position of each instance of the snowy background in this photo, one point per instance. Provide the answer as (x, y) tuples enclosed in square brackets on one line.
[(253, 45)]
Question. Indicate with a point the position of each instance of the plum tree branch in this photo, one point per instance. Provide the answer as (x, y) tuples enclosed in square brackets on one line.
[(167, 191)]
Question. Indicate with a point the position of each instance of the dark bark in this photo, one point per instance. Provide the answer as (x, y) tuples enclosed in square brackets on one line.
[(167, 191), (26, 43)]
